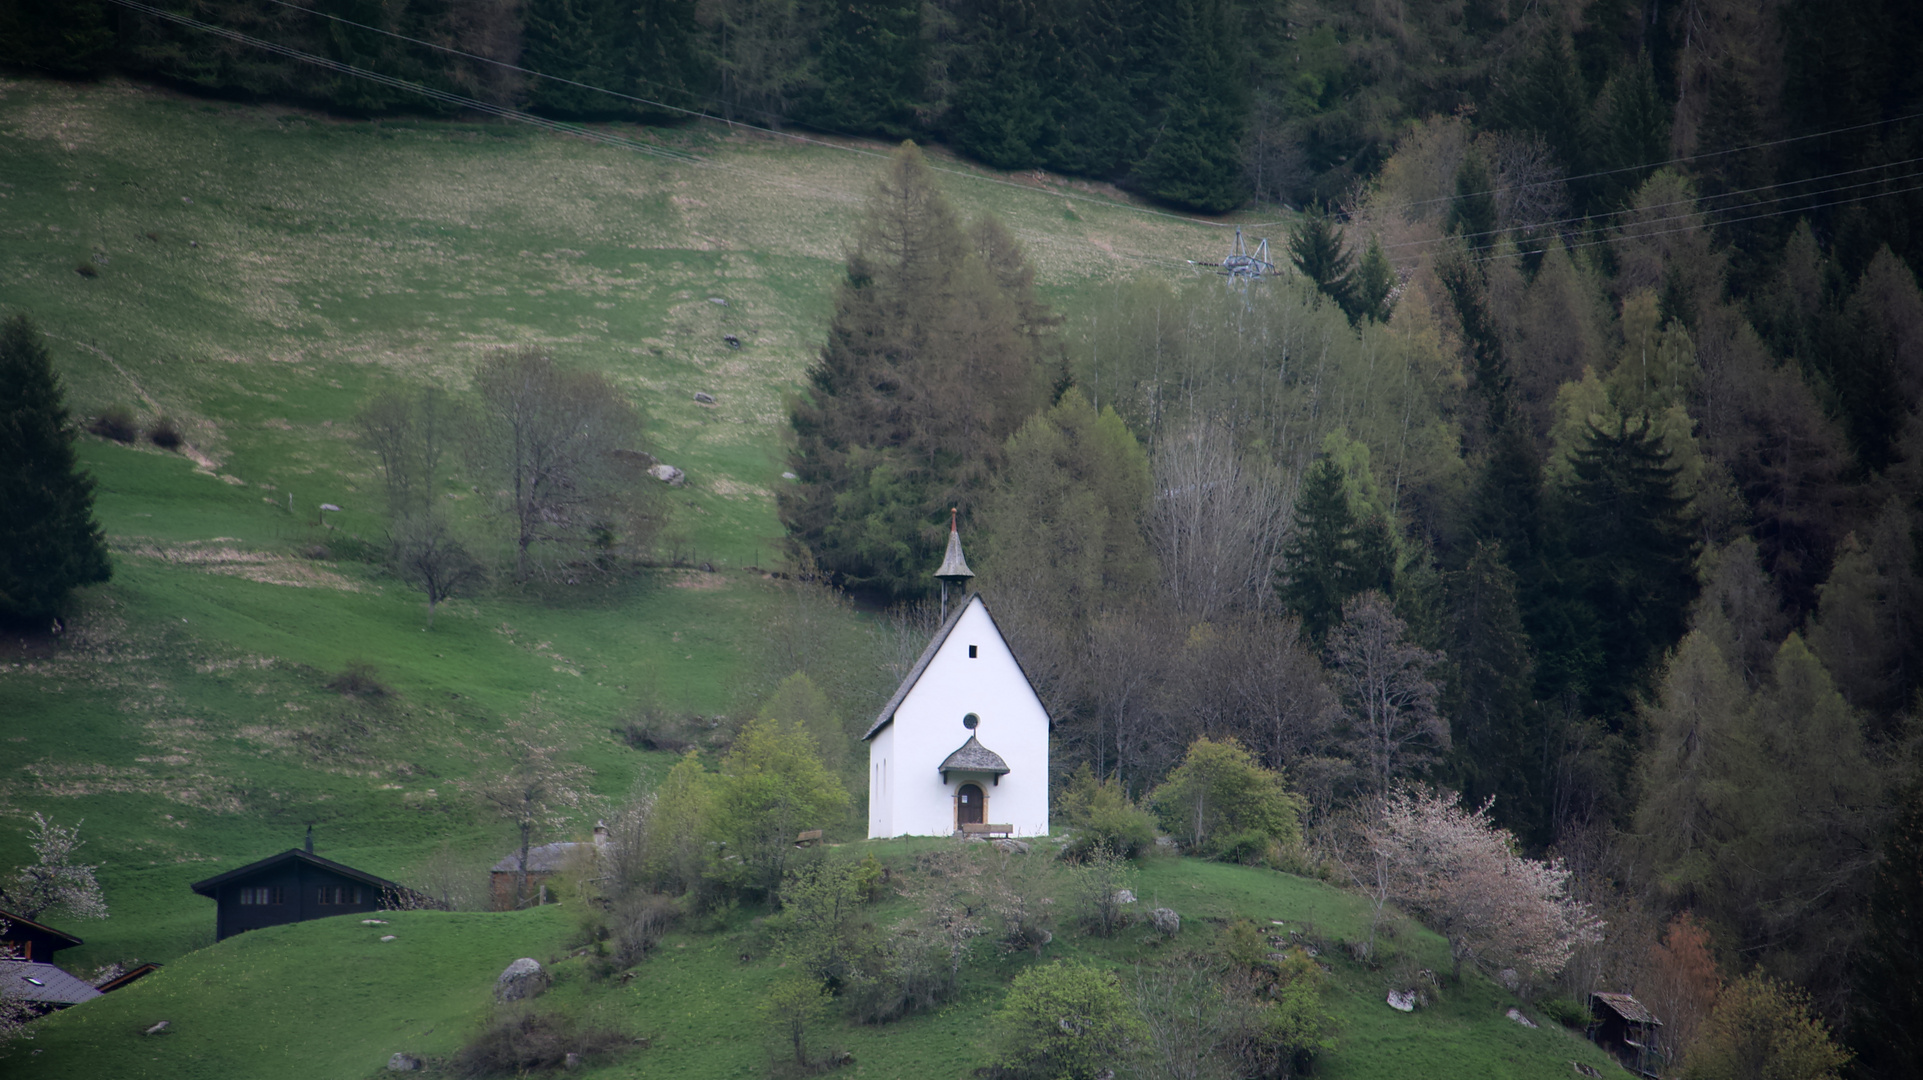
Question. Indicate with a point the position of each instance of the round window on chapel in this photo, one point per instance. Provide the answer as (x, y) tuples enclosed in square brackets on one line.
[(971, 721)]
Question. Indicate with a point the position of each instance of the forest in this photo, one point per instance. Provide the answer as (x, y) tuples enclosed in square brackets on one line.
[(1573, 462)]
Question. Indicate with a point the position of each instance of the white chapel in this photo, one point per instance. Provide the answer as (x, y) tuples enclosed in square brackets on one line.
[(964, 741)]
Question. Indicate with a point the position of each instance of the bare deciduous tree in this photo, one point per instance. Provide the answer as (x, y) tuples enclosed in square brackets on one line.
[(1392, 725), (1216, 525), (564, 442), (526, 783), (410, 432), (427, 554)]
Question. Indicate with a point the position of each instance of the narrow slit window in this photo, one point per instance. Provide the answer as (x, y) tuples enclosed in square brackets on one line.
[(971, 652)]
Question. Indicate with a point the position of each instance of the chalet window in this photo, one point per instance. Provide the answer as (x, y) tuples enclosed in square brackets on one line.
[(340, 894), (971, 652), (260, 894)]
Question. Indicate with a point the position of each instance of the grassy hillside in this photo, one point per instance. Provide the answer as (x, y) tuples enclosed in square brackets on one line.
[(327, 999), (254, 274)]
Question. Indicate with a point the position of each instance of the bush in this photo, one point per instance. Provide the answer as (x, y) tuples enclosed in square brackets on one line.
[(1100, 881), (1564, 1011), (115, 422), (359, 679), (639, 922), (165, 434), (1063, 1021), (515, 1040), (1101, 814), (1219, 795)]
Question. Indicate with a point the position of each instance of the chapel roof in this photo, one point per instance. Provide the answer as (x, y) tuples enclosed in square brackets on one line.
[(972, 756)]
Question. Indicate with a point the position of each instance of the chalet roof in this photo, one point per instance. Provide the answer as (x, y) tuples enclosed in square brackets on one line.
[(39, 928), (928, 655), (544, 859), (271, 862), (1627, 1007), (42, 984), (126, 977), (972, 756)]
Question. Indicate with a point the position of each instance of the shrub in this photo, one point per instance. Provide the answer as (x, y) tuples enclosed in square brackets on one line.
[(795, 1007), (165, 434), (1063, 1021), (1564, 1011), (516, 1039), (639, 922), (115, 422), (1101, 884), (359, 679), (1220, 794), (1101, 813)]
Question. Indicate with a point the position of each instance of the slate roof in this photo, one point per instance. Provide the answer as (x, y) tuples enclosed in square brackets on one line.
[(1627, 1007), (974, 757), (42, 984), (208, 887), (928, 655), (543, 859), (953, 566)]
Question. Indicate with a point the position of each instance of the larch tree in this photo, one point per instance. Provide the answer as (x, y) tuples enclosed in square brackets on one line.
[(1764, 1029), (49, 541), (931, 363)]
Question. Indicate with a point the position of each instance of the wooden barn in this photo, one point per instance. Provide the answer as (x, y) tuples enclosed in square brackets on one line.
[(1627, 1029), (23, 939), (293, 886)]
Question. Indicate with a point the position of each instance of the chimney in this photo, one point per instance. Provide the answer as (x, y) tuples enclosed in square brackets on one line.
[(310, 839)]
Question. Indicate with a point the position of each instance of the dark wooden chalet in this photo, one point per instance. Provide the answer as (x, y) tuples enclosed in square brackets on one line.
[(291, 887), (1627, 1029), (23, 939)]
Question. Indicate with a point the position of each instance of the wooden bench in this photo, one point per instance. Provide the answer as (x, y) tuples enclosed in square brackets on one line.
[(988, 830), (809, 838)]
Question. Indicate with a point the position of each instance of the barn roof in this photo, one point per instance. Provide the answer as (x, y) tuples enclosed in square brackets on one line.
[(1627, 1007), (208, 887), (972, 756), (928, 655), (132, 975), (544, 859), (22, 921), (42, 984)]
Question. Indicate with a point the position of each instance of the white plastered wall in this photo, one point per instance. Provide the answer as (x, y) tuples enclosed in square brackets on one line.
[(907, 796)]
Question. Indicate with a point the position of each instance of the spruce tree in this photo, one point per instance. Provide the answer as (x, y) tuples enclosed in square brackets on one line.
[(49, 542), (1488, 696), (998, 114), (1627, 563), (1195, 158), (1100, 94), (1472, 214), (1373, 281), (1889, 1022), (1315, 247), (1330, 556)]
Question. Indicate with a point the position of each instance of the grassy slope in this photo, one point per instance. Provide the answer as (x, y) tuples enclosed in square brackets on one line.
[(265, 269), (251, 1006)]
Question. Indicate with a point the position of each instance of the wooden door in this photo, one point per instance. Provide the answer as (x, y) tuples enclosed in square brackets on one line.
[(969, 806)]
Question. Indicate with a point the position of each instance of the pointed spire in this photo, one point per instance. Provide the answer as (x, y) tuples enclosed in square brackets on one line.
[(953, 567)]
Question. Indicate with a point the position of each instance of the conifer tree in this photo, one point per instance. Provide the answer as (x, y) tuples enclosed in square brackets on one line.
[(1488, 699), (49, 541), (998, 112), (1195, 156), (1330, 557), (1472, 214), (1100, 92), (1626, 563), (1889, 1022), (1373, 281), (1315, 247), (930, 364)]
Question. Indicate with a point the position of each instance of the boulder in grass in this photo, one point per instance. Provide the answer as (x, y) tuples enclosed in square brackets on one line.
[(1402, 1000), (704, 397), (523, 979), (668, 475), (1124, 896), (1165, 921), (403, 1063)]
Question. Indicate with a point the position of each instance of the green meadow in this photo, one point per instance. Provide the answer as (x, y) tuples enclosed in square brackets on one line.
[(254, 273)]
